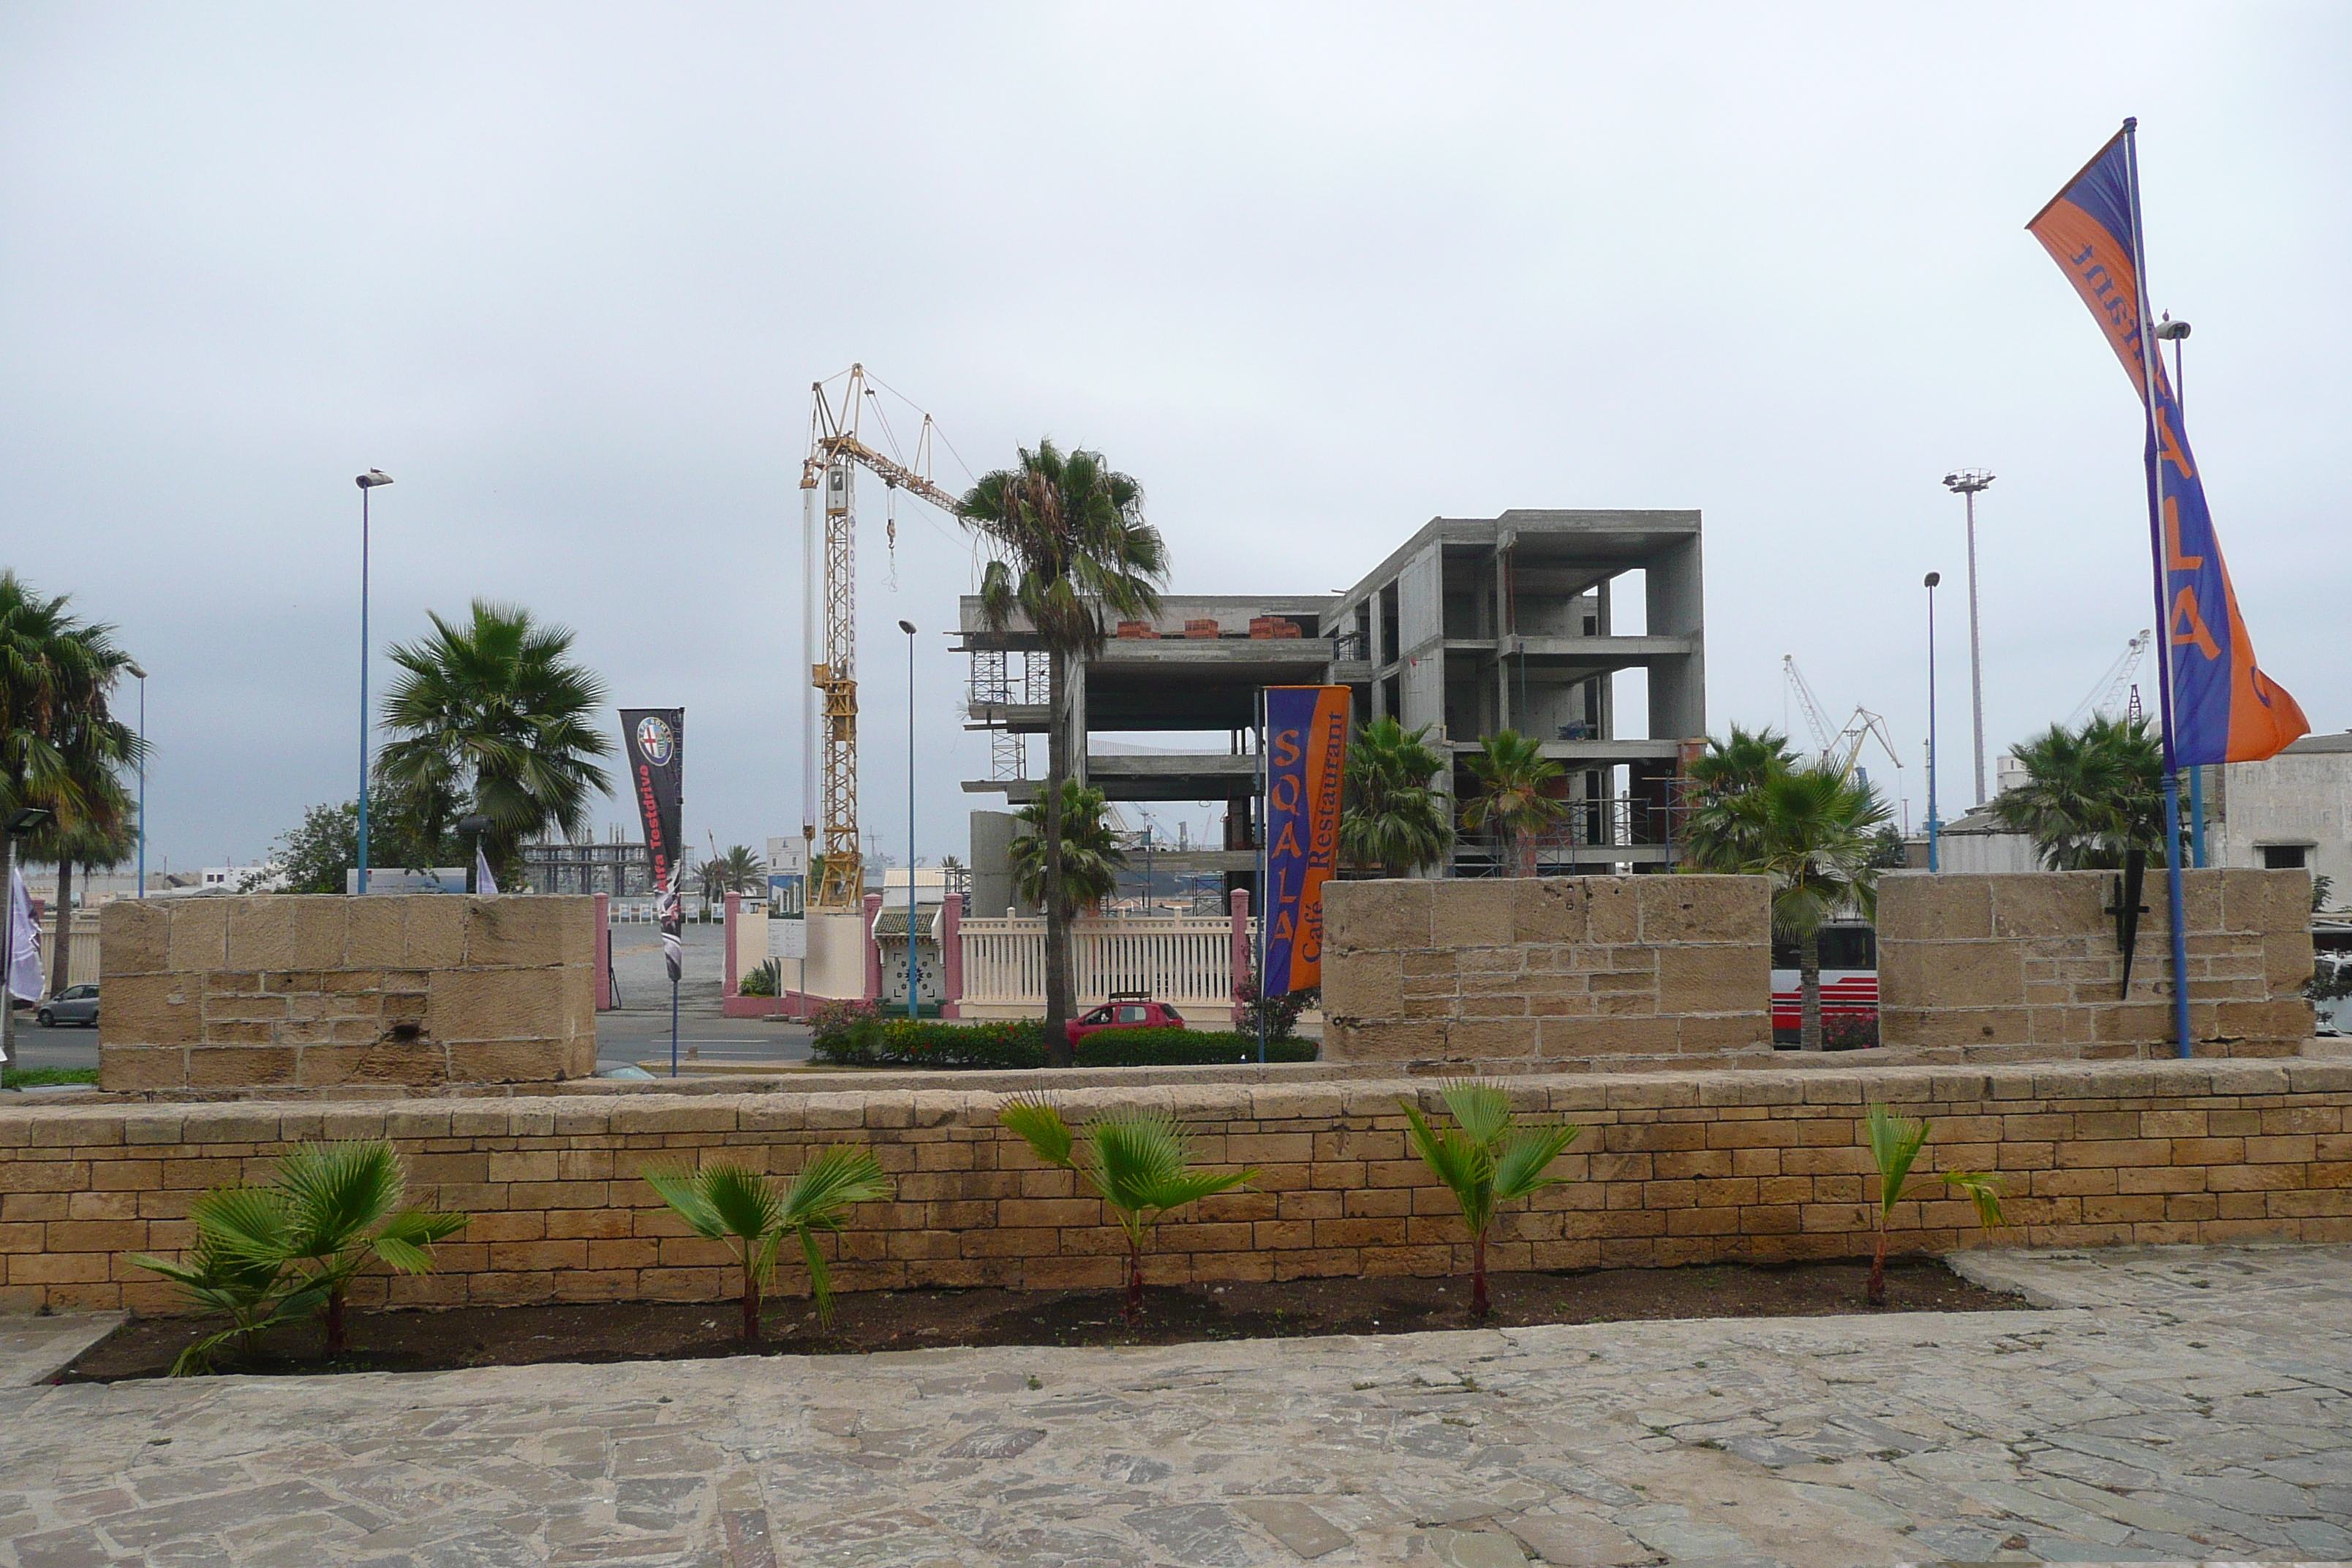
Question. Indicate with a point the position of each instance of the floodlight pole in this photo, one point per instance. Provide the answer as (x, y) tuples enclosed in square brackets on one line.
[(1932, 578), (140, 675), (1967, 483), (367, 483), (914, 988)]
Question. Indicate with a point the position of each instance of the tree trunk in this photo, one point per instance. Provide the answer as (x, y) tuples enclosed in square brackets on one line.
[(750, 1304), (1134, 1285), (1478, 1305), (1058, 921), (1809, 988), (1877, 1292), (61, 957), (336, 1340)]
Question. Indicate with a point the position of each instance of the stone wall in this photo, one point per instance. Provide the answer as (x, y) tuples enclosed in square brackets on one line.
[(1552, 971), (1988, 965), (321, 991), (1672, 1169)]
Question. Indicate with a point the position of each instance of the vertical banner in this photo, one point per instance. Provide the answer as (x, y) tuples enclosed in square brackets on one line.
[(655, 738), (1306, 757), (2223, 708)]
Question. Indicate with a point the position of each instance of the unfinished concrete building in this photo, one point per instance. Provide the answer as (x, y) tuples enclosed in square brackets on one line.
[(1471, 626)]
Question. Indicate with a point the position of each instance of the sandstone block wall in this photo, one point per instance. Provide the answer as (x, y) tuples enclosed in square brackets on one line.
[(1492, 972), (1671, 1169), (1989, 964), (324, 992)]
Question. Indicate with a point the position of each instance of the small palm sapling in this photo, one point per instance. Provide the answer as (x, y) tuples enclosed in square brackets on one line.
[(1485, 1160), (1138, 1162), (727, 1203), (1895, 1143)]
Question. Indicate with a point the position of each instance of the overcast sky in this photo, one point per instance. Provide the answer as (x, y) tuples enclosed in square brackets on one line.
[(1313, 275)]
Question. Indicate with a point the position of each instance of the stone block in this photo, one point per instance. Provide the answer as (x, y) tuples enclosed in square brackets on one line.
[(261, 933), (520, 932), (151, 1010), (1363, 985), (1472, 911), (1377, 916), (135, 937), (508, 1061), (435, 931), (475, 1005), (1549, 911), (199, 940), (129, 1069), (240, 1066), (1704, 909), (2287, 1018), (417, 1063), (1951, 974), (321, 927), (2038, 904), (1726, 978), (1919, 906), (1345, 1040)]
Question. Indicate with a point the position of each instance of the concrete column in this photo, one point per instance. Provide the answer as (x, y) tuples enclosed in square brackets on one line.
[(604, 952), (951, 956), (1241, 965), (1675, 602), (873, 949), (734, 966)]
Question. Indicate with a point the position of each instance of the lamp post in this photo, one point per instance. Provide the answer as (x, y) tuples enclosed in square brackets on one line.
[(914, 990), (1967, 483), (2171, 332), (21, 822), (140, 675), (1932, 578), (367, 483)]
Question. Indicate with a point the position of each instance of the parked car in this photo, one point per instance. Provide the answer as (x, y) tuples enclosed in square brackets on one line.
[(73, 1004), (1126, 1010)]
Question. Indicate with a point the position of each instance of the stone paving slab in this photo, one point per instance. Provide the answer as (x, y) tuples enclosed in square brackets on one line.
[(2172, 1404), (35, 1350)]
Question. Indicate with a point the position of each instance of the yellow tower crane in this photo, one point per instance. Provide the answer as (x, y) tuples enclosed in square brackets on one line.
[(836, 452)]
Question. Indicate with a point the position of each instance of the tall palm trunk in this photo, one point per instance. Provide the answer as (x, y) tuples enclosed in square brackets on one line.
[(62, 958), (1057, 923), (1809, 988)]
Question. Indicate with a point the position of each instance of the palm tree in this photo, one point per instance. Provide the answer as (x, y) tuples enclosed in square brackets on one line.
[(737, 870), (1072, 548), (2091, 796), (1741, 763), (343, 1210), (493, 711), (1392, 817), (1138, 1162), (1895, 1143), (1091, 856), (729, 1203), (1516, 802), (1485, 1160), (1813, 833)]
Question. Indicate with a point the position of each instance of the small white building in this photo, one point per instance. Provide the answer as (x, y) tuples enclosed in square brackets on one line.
[(2293, 810)]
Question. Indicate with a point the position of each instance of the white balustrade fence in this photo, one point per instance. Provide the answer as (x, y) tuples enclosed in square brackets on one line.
[(1183, 960)]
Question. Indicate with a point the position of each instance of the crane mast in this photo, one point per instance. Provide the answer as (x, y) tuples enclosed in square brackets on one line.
[(836, 453), (1839, 750)]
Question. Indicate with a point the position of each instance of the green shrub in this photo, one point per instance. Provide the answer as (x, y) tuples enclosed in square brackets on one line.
[(845, 1033), (1184, 1048), (766, 980)]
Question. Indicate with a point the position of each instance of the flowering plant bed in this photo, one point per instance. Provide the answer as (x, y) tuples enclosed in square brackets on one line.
[(909, 1320)]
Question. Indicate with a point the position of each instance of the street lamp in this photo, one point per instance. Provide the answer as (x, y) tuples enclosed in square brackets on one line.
[(367, 483), (914, 992), (23, 820), (1932, 578), (140, 675), (1967, 482), (2171, 332)]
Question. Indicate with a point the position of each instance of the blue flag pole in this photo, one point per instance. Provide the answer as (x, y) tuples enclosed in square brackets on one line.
[(2175, 903), (1265, 844)]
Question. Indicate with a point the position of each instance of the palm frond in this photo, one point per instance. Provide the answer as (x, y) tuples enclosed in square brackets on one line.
[(1135, 1154), (1520, 1162), (337, 1190), (1895, 1143), (1480, 1109), (1983, 1188), (682, 1191), (831, 1183), (1038, 1121), (743, 1200)]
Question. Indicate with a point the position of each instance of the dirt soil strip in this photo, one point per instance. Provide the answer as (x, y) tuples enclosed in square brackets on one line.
[(908, 1319)]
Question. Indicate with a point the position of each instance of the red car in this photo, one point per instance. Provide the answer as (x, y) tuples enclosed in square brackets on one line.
[(1126, 1010)]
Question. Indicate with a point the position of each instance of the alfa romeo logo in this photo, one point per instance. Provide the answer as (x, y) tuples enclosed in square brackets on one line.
[(654, 741)]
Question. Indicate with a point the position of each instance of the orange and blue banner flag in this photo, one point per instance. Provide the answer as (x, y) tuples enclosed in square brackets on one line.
[(1305, 759), (2222, 708)]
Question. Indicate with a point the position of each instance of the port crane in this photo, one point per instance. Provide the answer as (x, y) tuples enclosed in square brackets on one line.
[(2109, 693), (836, 450), (1838, 750)]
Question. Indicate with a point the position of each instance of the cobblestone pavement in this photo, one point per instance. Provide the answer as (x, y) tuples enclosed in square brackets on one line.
[(2159, 1404)]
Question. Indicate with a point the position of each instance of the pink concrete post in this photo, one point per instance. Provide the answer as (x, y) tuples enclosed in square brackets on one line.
[(951, 956), (1241, 960), (604, 952), (873, 949), (734, 978)]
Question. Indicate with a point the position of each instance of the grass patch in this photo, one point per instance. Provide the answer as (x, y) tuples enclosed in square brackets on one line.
[(45, 1077)]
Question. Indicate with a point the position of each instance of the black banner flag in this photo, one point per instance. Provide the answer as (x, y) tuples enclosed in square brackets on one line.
[(655, 738)]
